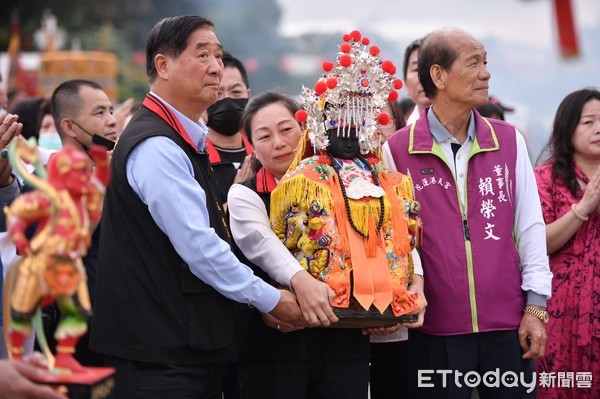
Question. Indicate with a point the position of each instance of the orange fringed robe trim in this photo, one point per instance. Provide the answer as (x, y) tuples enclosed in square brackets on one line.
[(381, 264)]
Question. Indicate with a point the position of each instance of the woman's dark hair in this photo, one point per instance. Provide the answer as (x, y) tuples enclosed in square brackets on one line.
[(170, 37), (256, 104), (560, 146), (407, 105), (414, 45), (46, 108), (435, 49), (30, 115), (397, 114)]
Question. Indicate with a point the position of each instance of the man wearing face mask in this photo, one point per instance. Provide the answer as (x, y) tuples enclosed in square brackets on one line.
[(228, 149), (84, 116)]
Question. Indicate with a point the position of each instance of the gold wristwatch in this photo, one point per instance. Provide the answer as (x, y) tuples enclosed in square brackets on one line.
[(540, 314)]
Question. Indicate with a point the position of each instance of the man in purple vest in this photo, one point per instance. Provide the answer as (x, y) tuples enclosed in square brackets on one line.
[(486, 271)]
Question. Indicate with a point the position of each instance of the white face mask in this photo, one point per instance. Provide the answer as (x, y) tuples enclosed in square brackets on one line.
[(50, 141)]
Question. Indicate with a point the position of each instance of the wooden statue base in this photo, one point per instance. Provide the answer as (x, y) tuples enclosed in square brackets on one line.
[(356, 317), (93, 382)]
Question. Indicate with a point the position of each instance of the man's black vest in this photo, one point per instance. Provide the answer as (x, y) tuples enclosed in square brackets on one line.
[(149, 307)]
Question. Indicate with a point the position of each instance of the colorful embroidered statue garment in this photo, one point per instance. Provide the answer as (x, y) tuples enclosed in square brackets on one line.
[(349, 221)]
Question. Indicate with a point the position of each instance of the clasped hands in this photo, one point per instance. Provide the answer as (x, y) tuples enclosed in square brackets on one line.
[(308, 306), (9, 129)]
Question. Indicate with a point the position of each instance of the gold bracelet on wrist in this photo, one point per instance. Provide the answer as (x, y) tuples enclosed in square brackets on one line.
[(579, 215)]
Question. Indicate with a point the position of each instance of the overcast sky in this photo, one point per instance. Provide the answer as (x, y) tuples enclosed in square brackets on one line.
[(520, 36), (523, 21)]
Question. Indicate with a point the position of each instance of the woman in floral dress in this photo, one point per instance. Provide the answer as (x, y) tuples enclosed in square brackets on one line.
[(569, 188)]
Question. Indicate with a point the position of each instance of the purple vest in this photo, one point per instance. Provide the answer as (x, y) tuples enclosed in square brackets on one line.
[(470, 260)]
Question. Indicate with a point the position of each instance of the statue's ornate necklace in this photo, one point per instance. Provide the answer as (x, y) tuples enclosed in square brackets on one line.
[(336, 166)]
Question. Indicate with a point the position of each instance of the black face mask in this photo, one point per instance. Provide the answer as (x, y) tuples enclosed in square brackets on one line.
[(225, 116), (104, 142), (343, 147), (97, 139)]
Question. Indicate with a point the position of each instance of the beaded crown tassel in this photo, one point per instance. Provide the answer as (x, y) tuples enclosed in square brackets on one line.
[(350, 222)]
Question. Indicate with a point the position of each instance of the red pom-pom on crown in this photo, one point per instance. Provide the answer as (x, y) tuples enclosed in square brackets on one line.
[(355, 35), (374, 51), (346, 37), (388, 66), (301, 116), (397, 84), (345, 48), (365, 41), (345, 60), (331, 83), (393, 96), (320, 87), (327, 66), (383, 119)]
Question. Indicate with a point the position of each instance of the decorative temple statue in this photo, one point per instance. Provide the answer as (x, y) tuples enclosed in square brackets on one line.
[(63, 211), (349, 221)]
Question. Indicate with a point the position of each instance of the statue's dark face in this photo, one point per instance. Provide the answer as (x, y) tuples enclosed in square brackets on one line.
[(343, 147)]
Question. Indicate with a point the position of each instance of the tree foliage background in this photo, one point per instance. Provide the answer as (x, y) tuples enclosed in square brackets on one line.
[(247, 29)]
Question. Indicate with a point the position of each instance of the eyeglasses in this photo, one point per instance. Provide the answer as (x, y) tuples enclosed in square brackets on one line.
[(235, 93)]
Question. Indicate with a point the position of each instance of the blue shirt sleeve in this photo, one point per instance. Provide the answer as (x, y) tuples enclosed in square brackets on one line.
[(161, 174)]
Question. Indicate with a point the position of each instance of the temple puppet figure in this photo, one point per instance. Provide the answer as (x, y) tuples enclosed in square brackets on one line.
[(349, 221), (66, 205)]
